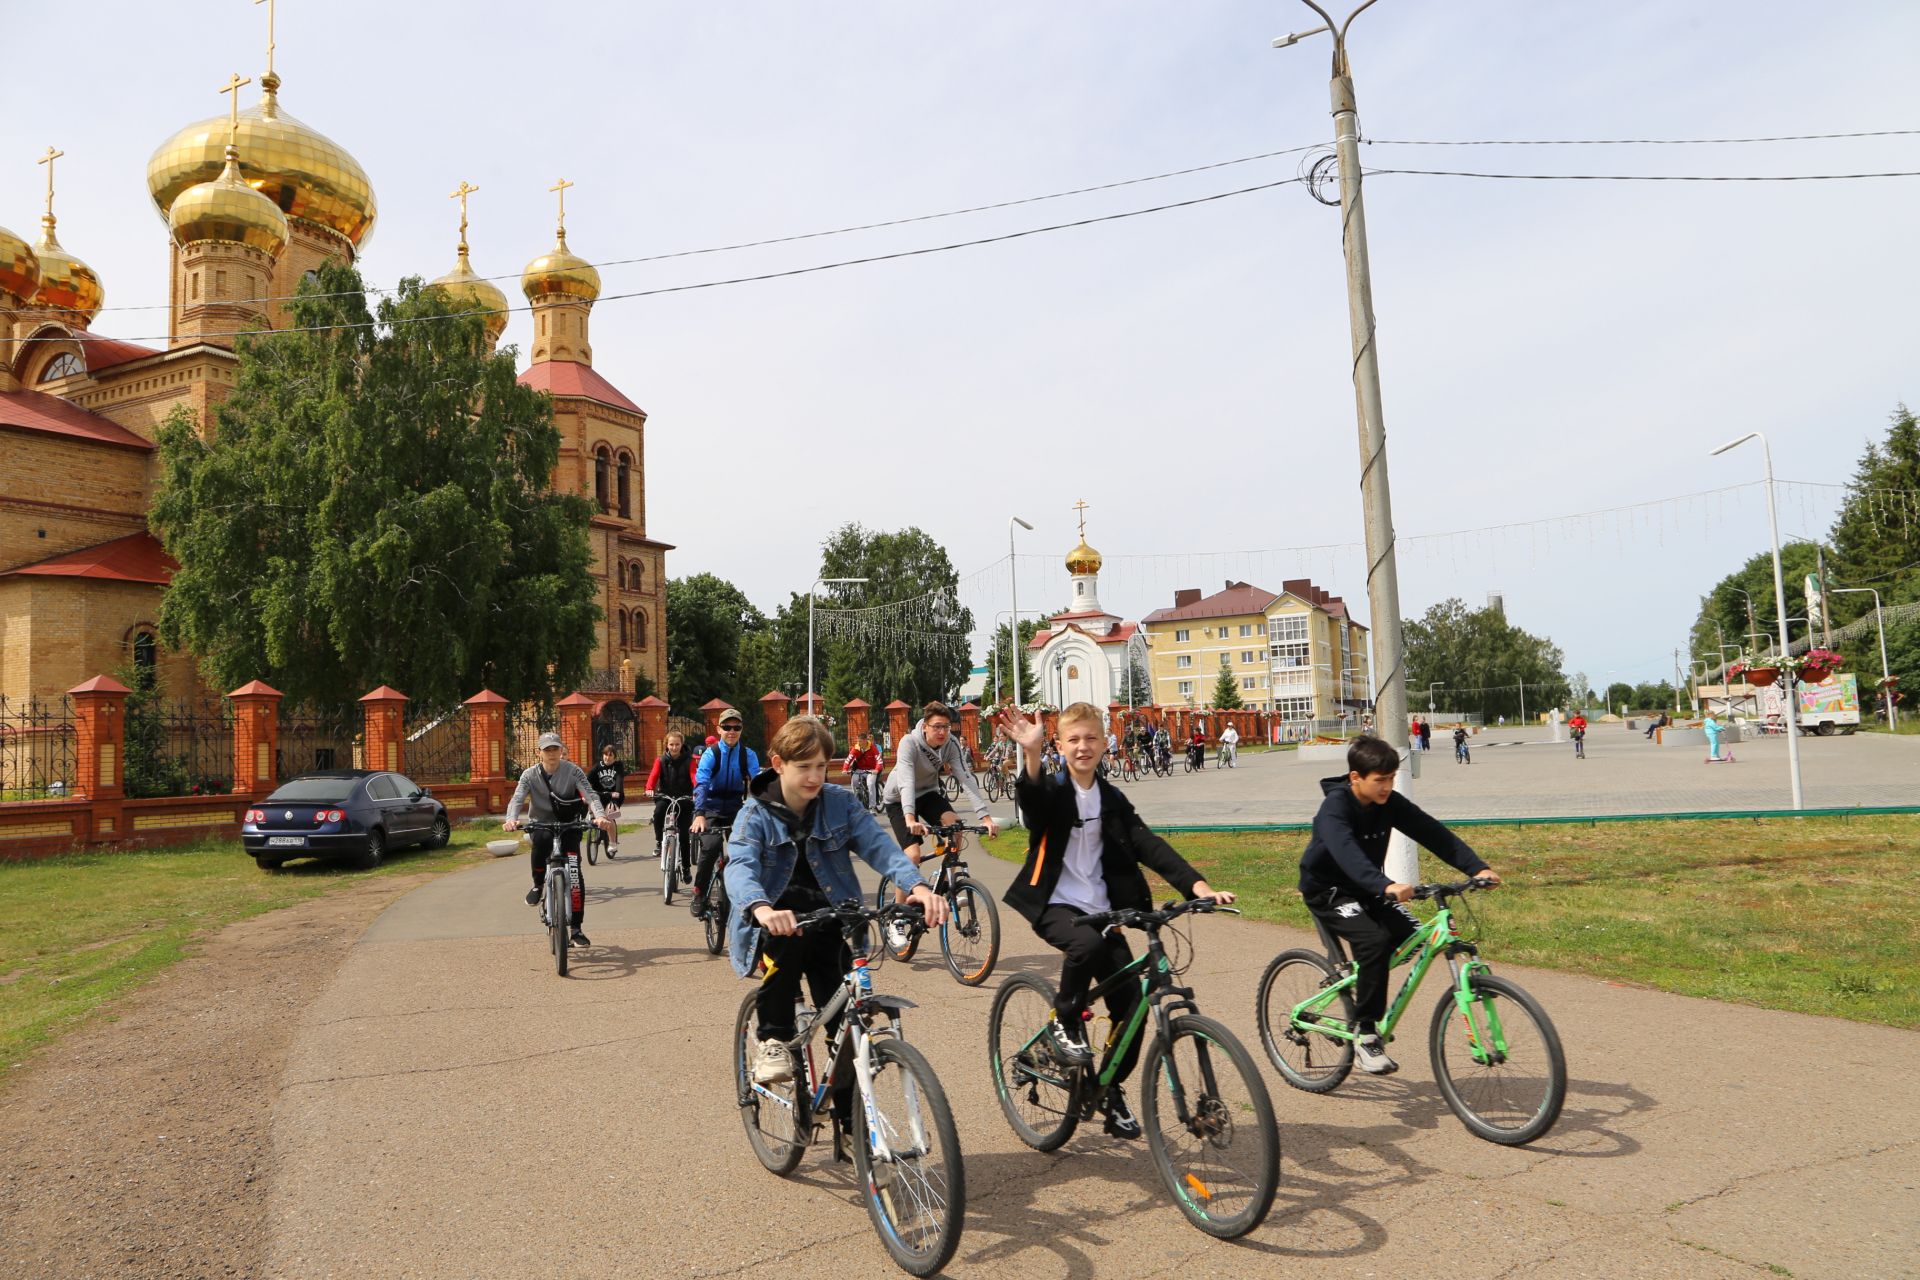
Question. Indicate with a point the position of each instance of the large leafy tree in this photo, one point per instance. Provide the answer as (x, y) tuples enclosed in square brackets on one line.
[(1482, 659), (910, 639), (999, 657), (1876, 535), (1723, 617), (373, 505), (708, 621)]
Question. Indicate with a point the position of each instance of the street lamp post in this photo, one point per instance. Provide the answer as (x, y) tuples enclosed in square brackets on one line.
[(1780, 604), (1383, 575), (1013, 590), (817, 584), (1886, 685), (1436, 684)]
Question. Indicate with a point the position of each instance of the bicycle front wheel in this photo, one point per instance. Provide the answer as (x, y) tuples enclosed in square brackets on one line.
[(1305, 1058), (775, 1115), (595, 838), (1499, 1065), (669, 865), (716, 917), (1039, 1094), (908, 1161), (1210, 1127), (970, 939), (557, 913)]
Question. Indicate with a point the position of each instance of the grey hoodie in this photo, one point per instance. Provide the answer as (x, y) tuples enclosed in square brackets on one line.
[(567, 782)]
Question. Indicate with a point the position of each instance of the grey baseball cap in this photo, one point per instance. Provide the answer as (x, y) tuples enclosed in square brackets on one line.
[(548, 740)]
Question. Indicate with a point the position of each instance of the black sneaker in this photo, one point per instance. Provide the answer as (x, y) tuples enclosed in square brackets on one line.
[(698, 906), (612, 853), (580, 939), (533, 896), (1120, 1121), (1067, 1044)]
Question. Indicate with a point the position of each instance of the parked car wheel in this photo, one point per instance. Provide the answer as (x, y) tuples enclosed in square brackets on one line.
[(374, 850), (441, 833)]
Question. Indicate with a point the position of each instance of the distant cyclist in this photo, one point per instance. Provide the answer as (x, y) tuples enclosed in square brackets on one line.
[(1229, 747), (863, 770), (554, 790), (913, 797), (609, 779), (671, 779), (719, 789)]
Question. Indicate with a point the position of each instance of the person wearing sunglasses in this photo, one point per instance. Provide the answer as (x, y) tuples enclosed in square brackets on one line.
[(719, 789)]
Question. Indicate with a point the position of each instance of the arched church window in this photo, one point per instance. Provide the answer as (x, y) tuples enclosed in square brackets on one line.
[(625, 484), (1079, 588), (623, 628), (602, 459), (640, 628), (146, 657), (61, 366)]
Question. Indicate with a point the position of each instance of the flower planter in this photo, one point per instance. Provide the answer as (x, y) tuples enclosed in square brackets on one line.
[(1761, 675), (1814, 675)]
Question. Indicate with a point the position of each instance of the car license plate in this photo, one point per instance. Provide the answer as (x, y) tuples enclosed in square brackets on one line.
[(287, 841)]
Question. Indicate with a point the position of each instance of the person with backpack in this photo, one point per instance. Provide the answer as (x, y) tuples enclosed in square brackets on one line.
[(719, 789)]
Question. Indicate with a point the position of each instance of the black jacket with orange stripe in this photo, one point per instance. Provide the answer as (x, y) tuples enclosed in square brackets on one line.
[(1126, 845)]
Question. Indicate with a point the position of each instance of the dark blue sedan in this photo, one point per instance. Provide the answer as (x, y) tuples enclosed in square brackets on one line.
[(343, 813)]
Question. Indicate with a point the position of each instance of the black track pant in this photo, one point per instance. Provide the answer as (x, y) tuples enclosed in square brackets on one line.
[(1092, 956), (822, 957), (1371, 930), (712, 841), (542, 842)]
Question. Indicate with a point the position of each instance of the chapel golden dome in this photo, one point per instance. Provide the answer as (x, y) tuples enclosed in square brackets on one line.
[(560, 272), (305, 174), (1083, 559), (469, 292), (228, 210), (19, 270), (66, 283)]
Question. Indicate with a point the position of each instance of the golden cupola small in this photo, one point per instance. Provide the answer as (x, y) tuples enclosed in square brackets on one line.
[(464, 289), (562, 287), (19, 273), (69, 288), (229, 236)]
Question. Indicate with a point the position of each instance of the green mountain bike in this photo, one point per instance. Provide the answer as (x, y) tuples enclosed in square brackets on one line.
[(1208, 1120), (1495, 1053)]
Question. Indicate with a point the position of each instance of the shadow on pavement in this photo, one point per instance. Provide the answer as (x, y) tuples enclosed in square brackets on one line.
[(602, 963)]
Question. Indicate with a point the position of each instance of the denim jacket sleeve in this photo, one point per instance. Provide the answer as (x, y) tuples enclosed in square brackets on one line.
[(877, 849), (746, 865)]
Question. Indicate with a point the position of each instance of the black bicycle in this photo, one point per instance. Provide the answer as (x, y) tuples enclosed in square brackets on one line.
[(717, 905), (1208, 1119), (970, 939), (1163, 760), (561, 891), (906, 1150)]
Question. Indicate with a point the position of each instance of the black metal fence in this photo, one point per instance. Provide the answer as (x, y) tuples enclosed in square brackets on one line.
[(38, 750), (188, 751), (525, 723), (438, 749), (316, 738)]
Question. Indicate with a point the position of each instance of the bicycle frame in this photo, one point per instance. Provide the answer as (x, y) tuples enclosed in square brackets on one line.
[(1433, 940)]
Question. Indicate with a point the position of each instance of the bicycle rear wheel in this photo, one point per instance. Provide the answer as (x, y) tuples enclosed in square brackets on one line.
[(1222, 1163), (595, 838), (776, 1117), (970, 939), (669, 864), (881, 897), (1499, 1065), (557, 911), (716, 916), (1039, 1094), (1305, 1059), (916, 1189)]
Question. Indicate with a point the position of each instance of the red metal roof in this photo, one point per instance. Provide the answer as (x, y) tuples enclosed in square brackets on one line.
[(571, 378), (38, 411), (103, 353), (1119, 635), (1237, 599), (138, 557)]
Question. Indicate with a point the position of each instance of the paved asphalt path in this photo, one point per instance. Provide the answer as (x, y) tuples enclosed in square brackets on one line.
[(452, 1108)]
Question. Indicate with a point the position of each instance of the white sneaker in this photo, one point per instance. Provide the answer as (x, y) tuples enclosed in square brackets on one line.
[(774, 1065), (1372, 1053), (899, 934)]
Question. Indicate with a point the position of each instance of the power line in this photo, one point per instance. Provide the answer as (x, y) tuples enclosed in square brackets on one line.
[(1632, 142), (1643, 177)]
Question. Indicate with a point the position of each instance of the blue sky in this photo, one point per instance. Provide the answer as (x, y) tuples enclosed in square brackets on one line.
[(1545, 347)]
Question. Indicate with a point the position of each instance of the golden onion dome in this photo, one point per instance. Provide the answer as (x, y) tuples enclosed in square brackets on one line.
[(66, 283), (228, 210), (468, 292), (1083, 559), (562, 272), (19, 270), (307, 175)]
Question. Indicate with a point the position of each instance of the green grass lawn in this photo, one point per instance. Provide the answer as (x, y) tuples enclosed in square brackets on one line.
[(1814, 914), (80, 930)]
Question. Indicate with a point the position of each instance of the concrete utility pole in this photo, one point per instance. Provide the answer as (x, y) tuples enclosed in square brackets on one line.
[(1383, 575)]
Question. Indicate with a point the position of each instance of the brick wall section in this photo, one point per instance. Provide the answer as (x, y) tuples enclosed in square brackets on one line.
[(256, 736), (897, 724), (774, 708), (383, 714), (40, 495), (99, 716), (859, 714), (653, 731)]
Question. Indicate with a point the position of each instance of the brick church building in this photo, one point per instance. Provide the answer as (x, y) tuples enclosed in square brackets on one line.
[(251, 206)]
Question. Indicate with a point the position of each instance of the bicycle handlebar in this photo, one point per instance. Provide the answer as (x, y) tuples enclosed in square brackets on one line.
[(1425, 891), (955, 828), (577, 824), (1134, 918), (849, 914)]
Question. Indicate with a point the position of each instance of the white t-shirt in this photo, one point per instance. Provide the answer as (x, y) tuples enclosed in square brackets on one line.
[(1083, 883), (1230, 736)]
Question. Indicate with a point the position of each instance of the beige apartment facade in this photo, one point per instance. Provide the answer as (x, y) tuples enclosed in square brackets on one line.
[(1295, 652)]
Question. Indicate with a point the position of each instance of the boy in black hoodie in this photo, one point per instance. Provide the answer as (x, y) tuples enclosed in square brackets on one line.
[(1345, 888), (1084, 855)]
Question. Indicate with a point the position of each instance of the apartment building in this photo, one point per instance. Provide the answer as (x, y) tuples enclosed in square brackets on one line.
[(1295, 651)]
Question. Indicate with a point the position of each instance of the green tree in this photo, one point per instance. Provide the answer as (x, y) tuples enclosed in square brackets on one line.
[(997, 658), (1136, 680), (372, 505), (1226, 689), (1657, 696), (1876, 534), (1483, 659), (708, 619), (1619, 697), (1723, 611), (148, 769), (910, 639)]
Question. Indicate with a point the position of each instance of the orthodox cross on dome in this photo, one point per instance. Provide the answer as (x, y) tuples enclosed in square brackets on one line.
[(48, 160), (1081, 507), (232, 89), (270, 7), (561, 187), (461, 193)]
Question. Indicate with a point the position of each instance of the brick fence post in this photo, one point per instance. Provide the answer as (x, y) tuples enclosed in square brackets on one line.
[(897, 712), (256, 736), (576, 728), (653, 728), (384, 720), (710, 711), (99, 740), (811, 704), (774, 706), (1051, 719), (970, 726), (859, 713), (487, 747)]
